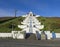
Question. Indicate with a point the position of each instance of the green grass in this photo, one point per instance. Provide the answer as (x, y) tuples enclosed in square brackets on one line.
[(52, 24), (7, 26), (4, 19)]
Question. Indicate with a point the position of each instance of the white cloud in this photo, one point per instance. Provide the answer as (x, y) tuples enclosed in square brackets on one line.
[(10, 12), (20, 13)]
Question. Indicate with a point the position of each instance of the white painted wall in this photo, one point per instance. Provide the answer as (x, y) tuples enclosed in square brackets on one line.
[(40, 26), (51, 35), (48, 34), (21, 26), (18, 35), (21, 36), (57, 35), (5, 34)]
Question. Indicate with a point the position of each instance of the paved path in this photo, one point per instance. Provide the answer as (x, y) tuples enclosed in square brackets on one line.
[(27, 43)]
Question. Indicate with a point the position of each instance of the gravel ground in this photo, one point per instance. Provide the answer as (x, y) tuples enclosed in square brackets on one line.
[(29, 43)]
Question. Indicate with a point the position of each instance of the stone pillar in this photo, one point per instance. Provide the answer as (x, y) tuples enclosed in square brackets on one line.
[(48, 34)]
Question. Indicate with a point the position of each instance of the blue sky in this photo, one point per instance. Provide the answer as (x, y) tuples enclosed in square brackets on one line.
[(40, 7)]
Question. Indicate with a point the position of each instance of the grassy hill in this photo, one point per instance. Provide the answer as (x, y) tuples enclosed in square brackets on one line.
[(11, 24), (4, 19), (51, 23)]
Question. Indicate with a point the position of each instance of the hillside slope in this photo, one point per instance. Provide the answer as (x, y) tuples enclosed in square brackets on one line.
[(50, 23), (10, 25)]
